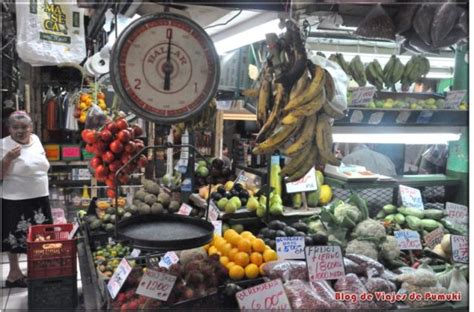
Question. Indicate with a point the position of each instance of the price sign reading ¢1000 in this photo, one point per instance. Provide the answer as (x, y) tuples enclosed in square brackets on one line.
[(324, 262), (156, 285)]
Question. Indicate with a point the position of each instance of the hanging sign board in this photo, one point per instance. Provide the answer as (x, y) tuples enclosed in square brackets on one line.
[(411, 197), (324, 262)]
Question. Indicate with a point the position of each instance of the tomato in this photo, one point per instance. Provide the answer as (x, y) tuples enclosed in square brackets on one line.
[(101, 95), (123, 178), (142, 161), (89, 136), (112, 127), (139, 145), (125, 158), (101, 171), (116, 146), (121, 124), (132, 133), (95, 162), (115, 165), (110, 183), (99, 148), (99, 178), (90, 148), (130, 147), (108, 157), (111, 193), (106, 135), (137, 131), (124, 136)]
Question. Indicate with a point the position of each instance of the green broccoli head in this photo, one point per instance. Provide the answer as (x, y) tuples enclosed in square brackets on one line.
[(347, 210)]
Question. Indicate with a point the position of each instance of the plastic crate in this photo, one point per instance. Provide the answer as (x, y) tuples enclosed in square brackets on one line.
[(54, 257), (52, 293)]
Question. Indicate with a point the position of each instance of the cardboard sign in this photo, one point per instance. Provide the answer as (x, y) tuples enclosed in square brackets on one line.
[(411, 197), (454, 98), (324, 262), (457, 214), (290, 247), (156, 285), (408, 240), (213, 211), (168, 259), (185, 209), (118, 278), (135, 252), (217, 227), (267, 296), (305, 184), (460, 248), (75, 227), (434, 237), (362, 96)]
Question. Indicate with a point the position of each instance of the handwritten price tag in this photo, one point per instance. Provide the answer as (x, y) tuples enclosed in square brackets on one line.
[(290, 247), (434, 237), (408, 240), (168, 259), (306, 183), (118, 278), (156, 285), (460, 248), (454, 98), (75, 227), (267, 296), (457, 213), (324, 262), (213, 211), (411, 197), (362, 96), (217, 227), (185, 210)]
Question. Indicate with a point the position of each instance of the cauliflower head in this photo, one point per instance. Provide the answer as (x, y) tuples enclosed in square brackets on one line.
[(362, 248), (390, 249), (347, 210), (370, 228)]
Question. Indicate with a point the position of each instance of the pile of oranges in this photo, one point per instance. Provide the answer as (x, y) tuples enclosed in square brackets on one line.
[(84, 103), (244, 255)]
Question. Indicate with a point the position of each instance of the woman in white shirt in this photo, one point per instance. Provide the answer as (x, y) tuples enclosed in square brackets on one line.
[(24, 190)]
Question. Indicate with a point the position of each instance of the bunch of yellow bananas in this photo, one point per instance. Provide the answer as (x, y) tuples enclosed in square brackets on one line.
[(299, 123)]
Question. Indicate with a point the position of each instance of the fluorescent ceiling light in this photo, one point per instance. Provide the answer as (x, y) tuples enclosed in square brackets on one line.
[(396, 138)]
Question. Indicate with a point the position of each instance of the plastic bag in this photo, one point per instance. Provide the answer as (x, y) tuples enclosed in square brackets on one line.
[(377, 25), (340, 79), (286, 270), (95, 117), (50, 33)]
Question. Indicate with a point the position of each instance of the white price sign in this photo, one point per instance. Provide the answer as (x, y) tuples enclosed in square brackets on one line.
[(433, 238), (454, 98), (362, 96), (75, 227), (460, 248), (118, 278), (305, 184), (324, 262), (168, 259), (135, 252), (217, 227), (290, 247), (267, 296), (457, 214), (185, 210), (156, 285), (408, 240), (411, 197), (213, 211)]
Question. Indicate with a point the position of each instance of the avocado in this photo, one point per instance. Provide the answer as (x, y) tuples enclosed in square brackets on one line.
[(300, 226), (308, 241), (264, 231), (272, 244), (110, 210), (271, 234), (228, 195), (238, 187), (267, 241), (221, 190), (226, 173), (319, 239), (216, 196), (290, 231), (234, 193), (261, 236), (217, 163), (244, 193), (243, 200), (215, 172), (280, 233), (299, 233), (274, 225)]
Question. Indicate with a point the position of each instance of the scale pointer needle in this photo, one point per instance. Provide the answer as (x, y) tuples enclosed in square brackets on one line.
[(167, 66)]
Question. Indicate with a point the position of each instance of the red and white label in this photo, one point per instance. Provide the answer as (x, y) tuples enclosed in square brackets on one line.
[(305, 184), (324, 262), (267, 296), (457, 214), (156, 285), (185, 210)]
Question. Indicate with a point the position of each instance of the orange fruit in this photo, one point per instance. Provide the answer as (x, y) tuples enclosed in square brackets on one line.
[(235, 239), (256, 258), (260, 269), (244, 245), (219, 243), (248, 235), (224, 260), (206, 247), (229, 265), (258, 245), (226, 248), (241, 258), (270, 255), (229, 233), (212, 250), (84, 97), (236, 272), (251, 271), (231, 254), (100, 95)]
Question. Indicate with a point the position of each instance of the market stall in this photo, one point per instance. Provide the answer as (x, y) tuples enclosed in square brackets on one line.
[(162, 216)]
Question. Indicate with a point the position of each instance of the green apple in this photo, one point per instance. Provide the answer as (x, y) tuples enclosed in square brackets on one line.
[(236, 201), (252, 204), (230, 207), (222, 203)]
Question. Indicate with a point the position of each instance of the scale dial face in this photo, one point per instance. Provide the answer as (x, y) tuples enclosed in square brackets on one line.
[(165, 68)]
